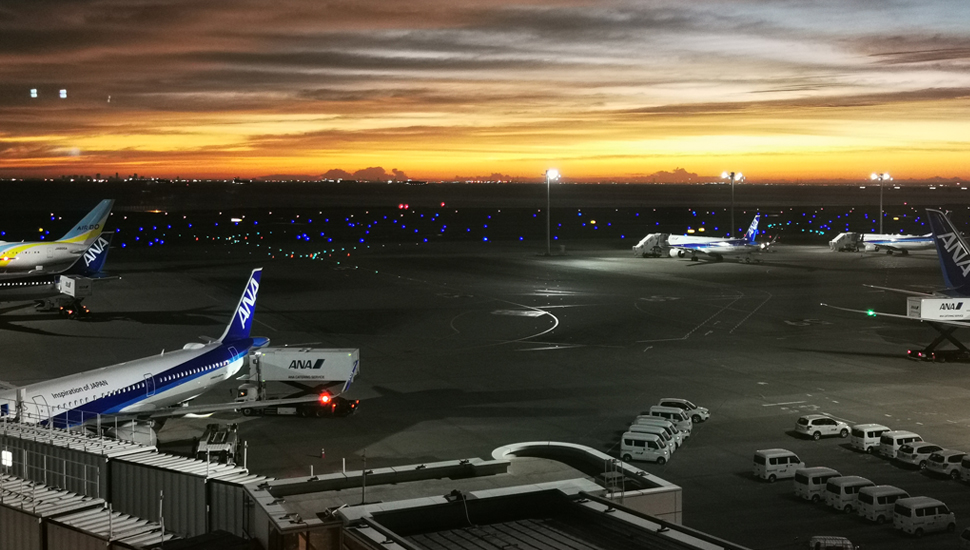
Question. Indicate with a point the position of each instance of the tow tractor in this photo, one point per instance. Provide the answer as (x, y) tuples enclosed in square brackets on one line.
[(324, 372)]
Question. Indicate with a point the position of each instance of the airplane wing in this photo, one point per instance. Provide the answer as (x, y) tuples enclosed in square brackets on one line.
[(219, 407), (900, 290), (872, 313)]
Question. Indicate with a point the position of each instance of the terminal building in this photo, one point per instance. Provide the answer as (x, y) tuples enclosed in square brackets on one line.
[(63, 489)]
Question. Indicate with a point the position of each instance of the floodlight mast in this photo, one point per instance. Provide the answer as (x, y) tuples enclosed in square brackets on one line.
[(881, 177), (734, 177), (551, 174)]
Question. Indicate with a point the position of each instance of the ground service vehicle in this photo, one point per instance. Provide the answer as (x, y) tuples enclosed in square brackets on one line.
[(919, 515), (218, 444), (876, 502), (841, 492), (772, 464), (810, 482), (643, 446), (865, 437), (324, 372), (891, 441), (831, 543)]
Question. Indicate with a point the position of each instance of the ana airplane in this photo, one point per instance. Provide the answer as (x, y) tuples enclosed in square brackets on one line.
[(62, 291), (716, 248), (941, 309), (874, 242), (147, 388), (54, 257)]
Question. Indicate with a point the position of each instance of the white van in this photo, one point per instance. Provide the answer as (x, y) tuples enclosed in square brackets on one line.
[(831, 543), (641, 446), (810, 482), (865, 437), (891, 441), (648, 429), (841, 492), (772, 464), (677, 417), (918, 515), (672, 430), (876, 502)]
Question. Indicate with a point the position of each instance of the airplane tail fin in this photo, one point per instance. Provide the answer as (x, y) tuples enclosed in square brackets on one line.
[(953, 250), (89, 229), (752, 233), (92, 262), (242, 316)]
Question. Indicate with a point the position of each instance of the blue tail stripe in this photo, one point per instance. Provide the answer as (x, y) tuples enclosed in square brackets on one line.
[(752, 233), (242, 317), (92, 262), (952, 249)]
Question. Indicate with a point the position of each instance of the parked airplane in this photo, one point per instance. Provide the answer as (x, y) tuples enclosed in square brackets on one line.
[(63, 291), (874, 242), (715, 247), (944, 307), (147, 388), (56, 256)]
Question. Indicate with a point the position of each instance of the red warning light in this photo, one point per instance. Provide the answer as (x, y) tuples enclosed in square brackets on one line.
[(405, 206), (442, 204), (324, 398), (400, 206)]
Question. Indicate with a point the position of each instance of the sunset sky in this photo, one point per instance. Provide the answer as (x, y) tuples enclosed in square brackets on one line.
[(778, 89)]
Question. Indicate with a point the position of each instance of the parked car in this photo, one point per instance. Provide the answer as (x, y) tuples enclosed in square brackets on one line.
[(697, 414), (917, 454), (946, 463), (919, 515), (831, 543), (865, 437), (818, 425), (772, 464)]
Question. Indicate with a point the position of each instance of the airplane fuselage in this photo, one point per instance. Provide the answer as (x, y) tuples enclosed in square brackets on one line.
[(898, 242), (36, 257), (132, 387)]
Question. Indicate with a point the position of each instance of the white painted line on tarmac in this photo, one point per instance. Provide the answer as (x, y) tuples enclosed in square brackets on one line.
[(777, 404), (837, 418)]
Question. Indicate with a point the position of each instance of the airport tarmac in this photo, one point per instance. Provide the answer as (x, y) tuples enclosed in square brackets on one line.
[(469, 346)]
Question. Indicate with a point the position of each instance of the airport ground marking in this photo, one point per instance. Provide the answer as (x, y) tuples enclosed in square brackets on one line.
[(696, 328), (753, 311), (778, 404)]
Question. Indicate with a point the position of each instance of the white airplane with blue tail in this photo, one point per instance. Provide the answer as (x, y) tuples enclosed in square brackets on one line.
[(153, 387)]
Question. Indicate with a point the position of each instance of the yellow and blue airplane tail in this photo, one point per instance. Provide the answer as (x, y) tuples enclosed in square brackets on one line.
[(89, 229)]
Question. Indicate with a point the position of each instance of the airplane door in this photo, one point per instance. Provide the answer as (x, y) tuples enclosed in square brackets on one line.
[(50, 252), (43, 410), (149, 385)]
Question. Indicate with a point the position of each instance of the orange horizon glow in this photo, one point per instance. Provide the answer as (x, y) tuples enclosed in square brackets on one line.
[(604, 91)]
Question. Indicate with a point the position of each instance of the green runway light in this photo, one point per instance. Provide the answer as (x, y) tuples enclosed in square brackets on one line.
[(870, 313)]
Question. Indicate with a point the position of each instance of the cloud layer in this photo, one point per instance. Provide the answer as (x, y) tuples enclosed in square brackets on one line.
[(792, 88)]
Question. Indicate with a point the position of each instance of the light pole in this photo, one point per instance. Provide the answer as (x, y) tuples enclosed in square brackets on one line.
[(881, 177), (551, 174), (734, 177)]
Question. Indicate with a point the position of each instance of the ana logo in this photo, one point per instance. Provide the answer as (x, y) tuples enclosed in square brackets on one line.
[(245, 310), (951, 243), (308, 364), (94, 251), (951, 307)]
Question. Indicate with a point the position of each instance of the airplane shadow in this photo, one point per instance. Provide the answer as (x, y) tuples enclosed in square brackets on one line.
[(886, 355)]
